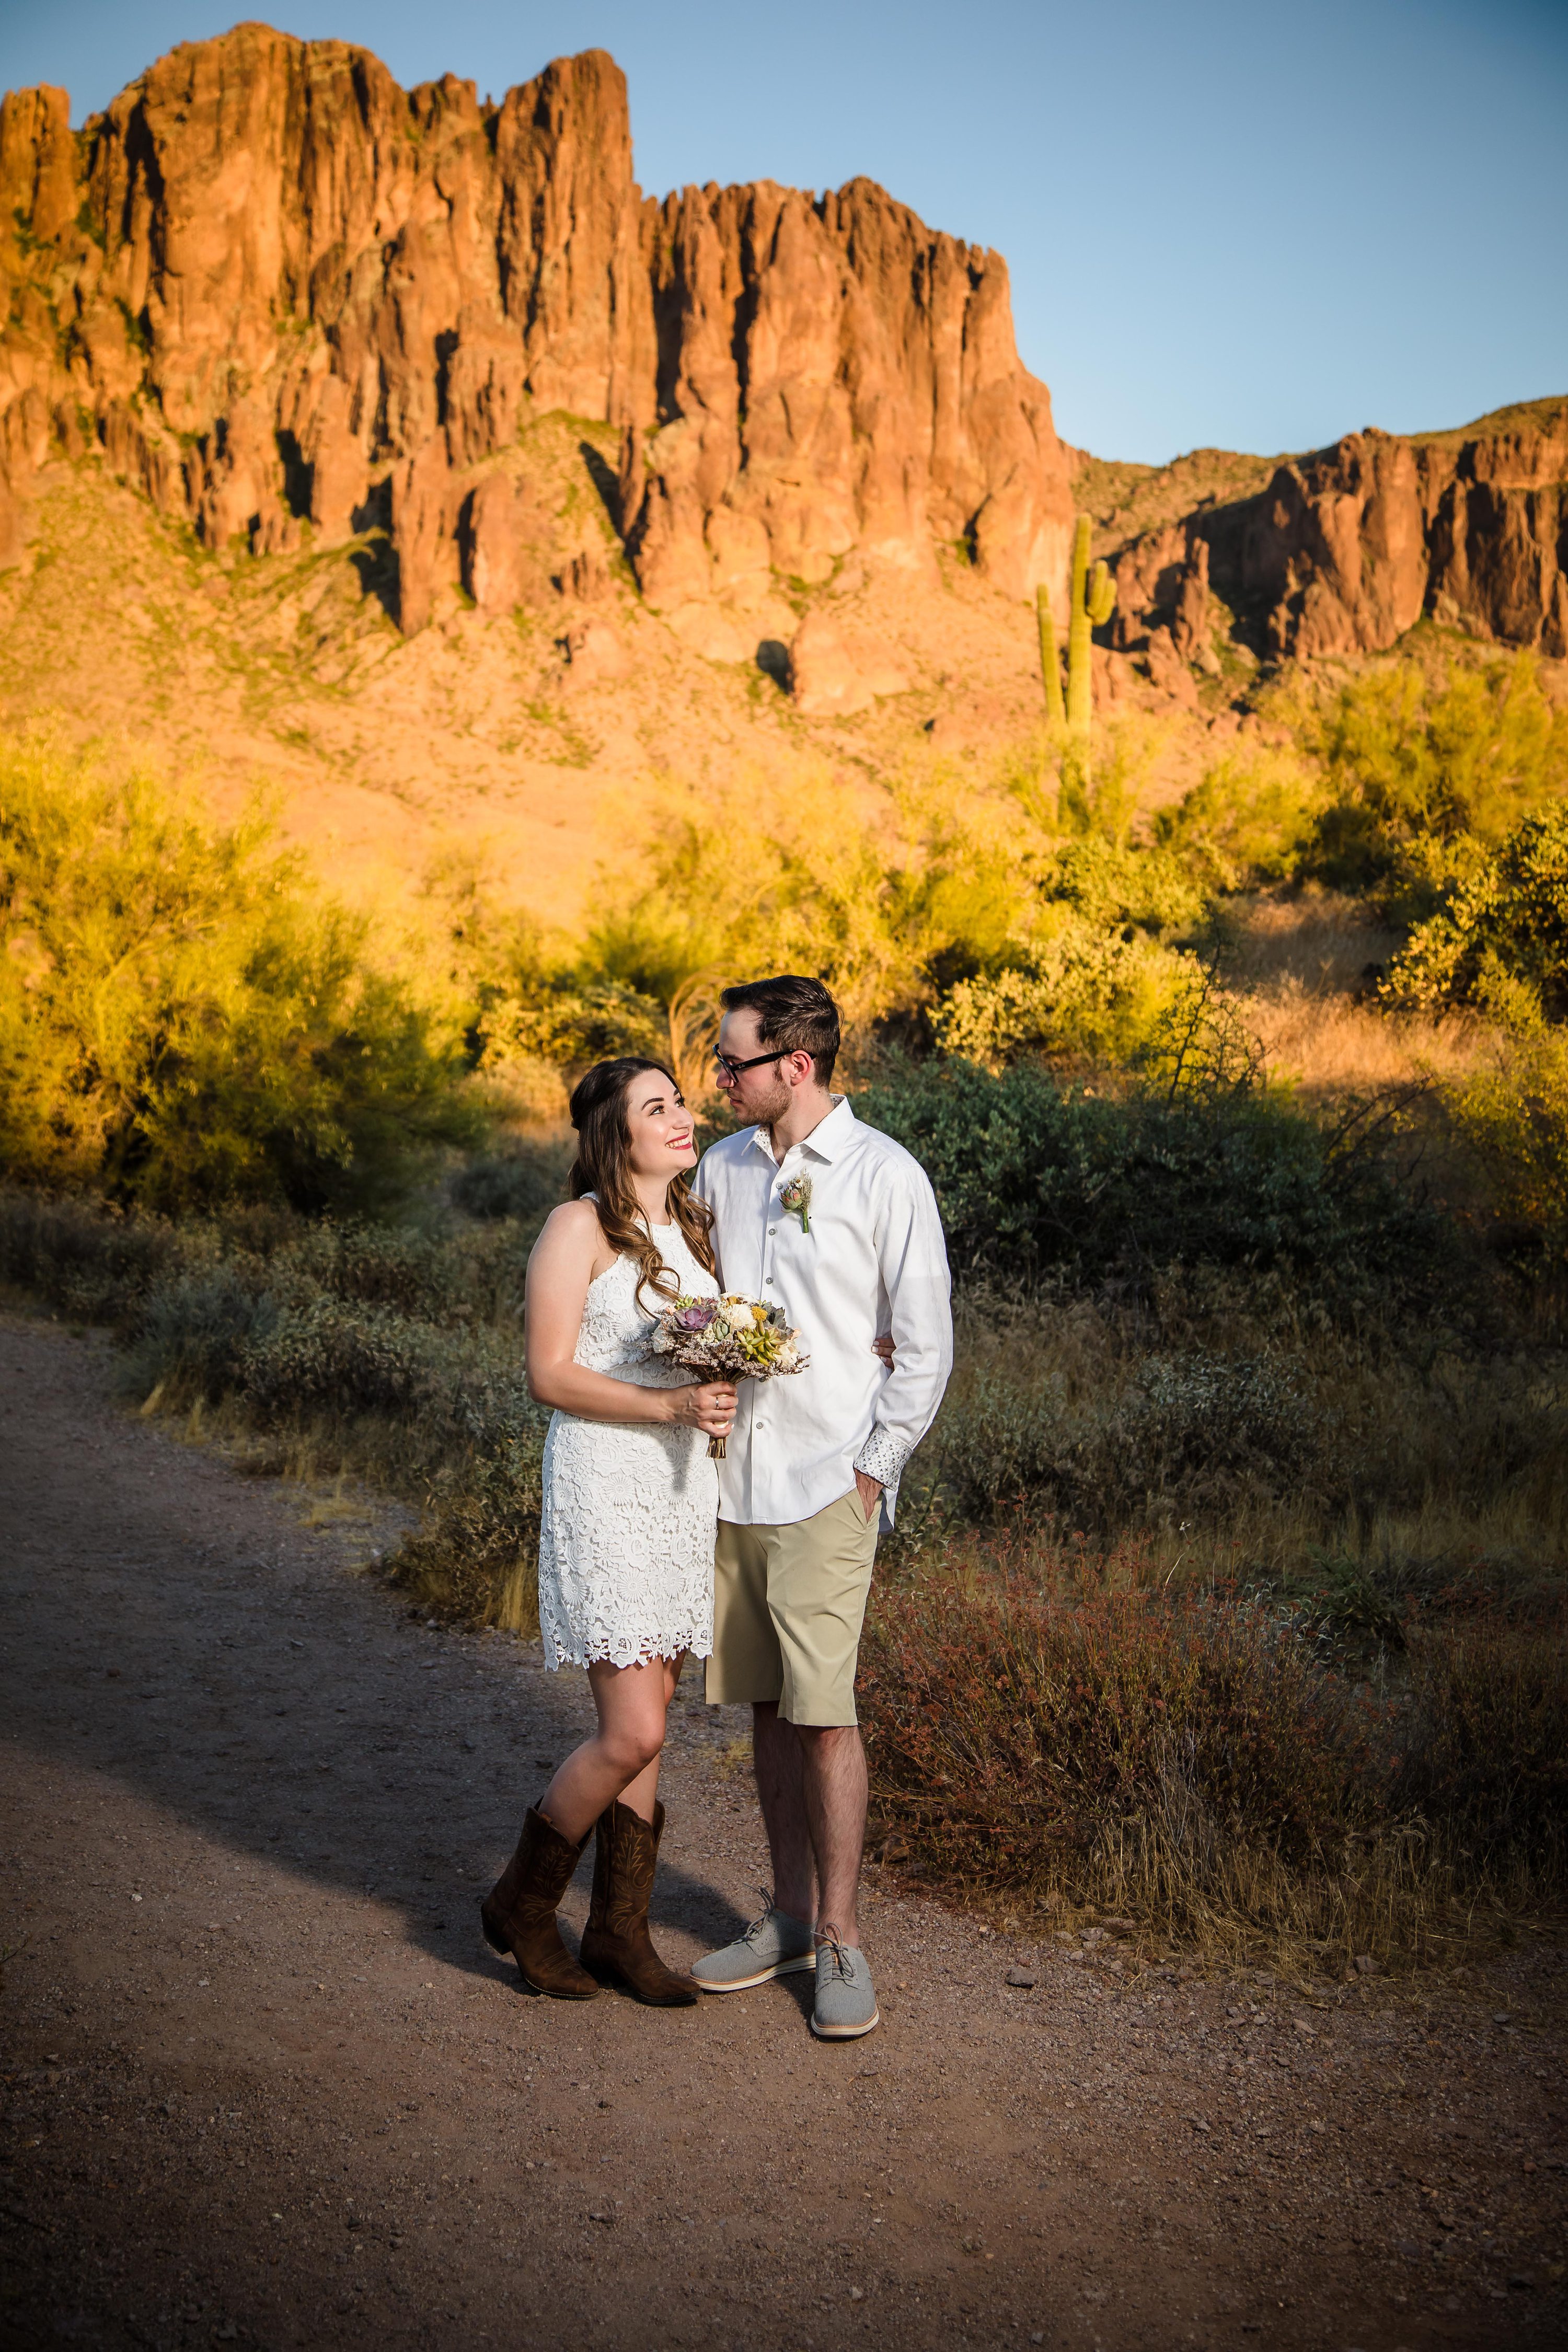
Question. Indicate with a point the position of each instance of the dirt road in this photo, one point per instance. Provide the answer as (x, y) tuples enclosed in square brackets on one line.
[(265, 2084)]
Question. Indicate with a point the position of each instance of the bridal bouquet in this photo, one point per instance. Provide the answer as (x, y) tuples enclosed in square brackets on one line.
[(728, 1339)]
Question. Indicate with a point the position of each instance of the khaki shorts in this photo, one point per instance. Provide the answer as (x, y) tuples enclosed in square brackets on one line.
[(788, 1605)]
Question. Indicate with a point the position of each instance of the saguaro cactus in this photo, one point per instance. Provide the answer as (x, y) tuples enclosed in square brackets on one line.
[(1093, 603), (1050, 666)]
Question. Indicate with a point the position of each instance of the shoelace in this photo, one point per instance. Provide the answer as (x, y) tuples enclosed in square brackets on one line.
[(843, 1966), (760, 1921)]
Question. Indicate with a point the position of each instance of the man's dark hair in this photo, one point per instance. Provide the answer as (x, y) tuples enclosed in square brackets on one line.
[(797, 1015)]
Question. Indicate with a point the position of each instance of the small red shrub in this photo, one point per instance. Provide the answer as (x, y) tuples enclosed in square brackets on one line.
[(1009, 1733)]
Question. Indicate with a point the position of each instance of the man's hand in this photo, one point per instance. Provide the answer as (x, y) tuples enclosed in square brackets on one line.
[(871, 1493)]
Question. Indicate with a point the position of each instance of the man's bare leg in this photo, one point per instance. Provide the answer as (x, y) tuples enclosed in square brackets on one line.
[(776, 1752), (834, 1786)]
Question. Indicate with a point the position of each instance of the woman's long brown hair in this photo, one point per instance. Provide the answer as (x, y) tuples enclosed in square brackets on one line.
[(601, 1167)]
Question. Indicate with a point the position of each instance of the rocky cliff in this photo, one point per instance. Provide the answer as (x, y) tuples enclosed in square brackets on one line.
[(1342, 550), (280, 292)]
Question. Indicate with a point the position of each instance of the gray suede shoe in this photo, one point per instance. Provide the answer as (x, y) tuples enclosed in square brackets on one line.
[(774, 1945), (846, 1997)]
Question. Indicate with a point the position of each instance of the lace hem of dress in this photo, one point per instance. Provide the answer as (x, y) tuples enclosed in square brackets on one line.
[(622, 1653)]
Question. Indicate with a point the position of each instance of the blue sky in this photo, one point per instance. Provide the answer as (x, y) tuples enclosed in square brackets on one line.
[(1255, 226)]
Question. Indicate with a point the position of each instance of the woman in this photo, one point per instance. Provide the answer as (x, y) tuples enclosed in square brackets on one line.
[(626, 1545)]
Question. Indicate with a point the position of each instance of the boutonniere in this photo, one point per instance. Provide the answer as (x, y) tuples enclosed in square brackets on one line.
[(795, 1198)]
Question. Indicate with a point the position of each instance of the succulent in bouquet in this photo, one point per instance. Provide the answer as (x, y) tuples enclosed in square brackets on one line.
[(728, 1339)]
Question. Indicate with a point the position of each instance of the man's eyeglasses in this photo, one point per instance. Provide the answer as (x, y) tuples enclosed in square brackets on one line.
[(733, 1068)]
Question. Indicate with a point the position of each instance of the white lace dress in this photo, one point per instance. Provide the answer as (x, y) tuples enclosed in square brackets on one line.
[(626, 1538)]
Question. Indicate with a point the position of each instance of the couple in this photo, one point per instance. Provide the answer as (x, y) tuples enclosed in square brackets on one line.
[(761, 1562)]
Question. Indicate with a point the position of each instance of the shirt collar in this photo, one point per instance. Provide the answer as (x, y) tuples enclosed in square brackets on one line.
[(828, 1140)]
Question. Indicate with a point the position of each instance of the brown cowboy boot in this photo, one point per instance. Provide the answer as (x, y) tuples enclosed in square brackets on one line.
[(519, 1914), (615, 1940)]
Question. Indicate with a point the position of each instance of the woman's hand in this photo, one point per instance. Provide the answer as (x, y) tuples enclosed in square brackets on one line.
[(883, 1346), (707, 1405)]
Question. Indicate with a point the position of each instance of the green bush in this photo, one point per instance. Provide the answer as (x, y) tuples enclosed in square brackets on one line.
[(89, 1261), (525, 1182), (1035, 1178), (1250, 819), (1508, 916), (1085, 995), (1417, 765), (1513, 1113), (200, 1330), (183, 1021)]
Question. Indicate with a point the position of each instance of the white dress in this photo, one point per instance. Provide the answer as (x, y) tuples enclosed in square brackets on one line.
[(626, 1536)]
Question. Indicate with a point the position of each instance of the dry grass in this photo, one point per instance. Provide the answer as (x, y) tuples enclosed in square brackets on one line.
[(1328, 1044), (1206, 1771), (1302, 964)]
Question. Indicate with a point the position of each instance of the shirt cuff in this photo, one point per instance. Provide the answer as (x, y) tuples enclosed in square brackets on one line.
[(883, 1456)]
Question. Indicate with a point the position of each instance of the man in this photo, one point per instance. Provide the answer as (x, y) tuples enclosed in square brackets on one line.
[(838, 1224)]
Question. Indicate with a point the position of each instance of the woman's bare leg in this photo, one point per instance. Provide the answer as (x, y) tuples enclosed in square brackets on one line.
[(642, 1794), (621, 1759)]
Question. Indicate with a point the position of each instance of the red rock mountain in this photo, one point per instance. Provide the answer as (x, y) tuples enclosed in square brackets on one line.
[(1342, 550), (276, 288)]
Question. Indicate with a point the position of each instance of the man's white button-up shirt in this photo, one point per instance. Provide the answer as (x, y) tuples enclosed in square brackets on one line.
[(873, 1262)]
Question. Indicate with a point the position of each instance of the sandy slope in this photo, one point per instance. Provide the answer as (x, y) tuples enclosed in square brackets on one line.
[(483, 737), (264, 2084)]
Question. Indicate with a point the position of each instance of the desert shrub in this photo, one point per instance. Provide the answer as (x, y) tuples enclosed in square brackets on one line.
[(184, 1021), (1512, 1112), (377, 1265), (1507, 917), (1014, 1737), (475, 1556), (572, 1023), (1007, 1443), (1085, 994), (329, 1358), (1415, 764), (1196, 1415), (751, 876), (1249, 819), (1113, 887), (199, 1331), (526, 1182), (1345, 1598), (1200, 1763), (1035, 1177), (1187, 1428), (88, 1261)]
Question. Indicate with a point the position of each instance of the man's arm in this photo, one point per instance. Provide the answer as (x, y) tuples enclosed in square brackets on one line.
[(911, 1256)]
